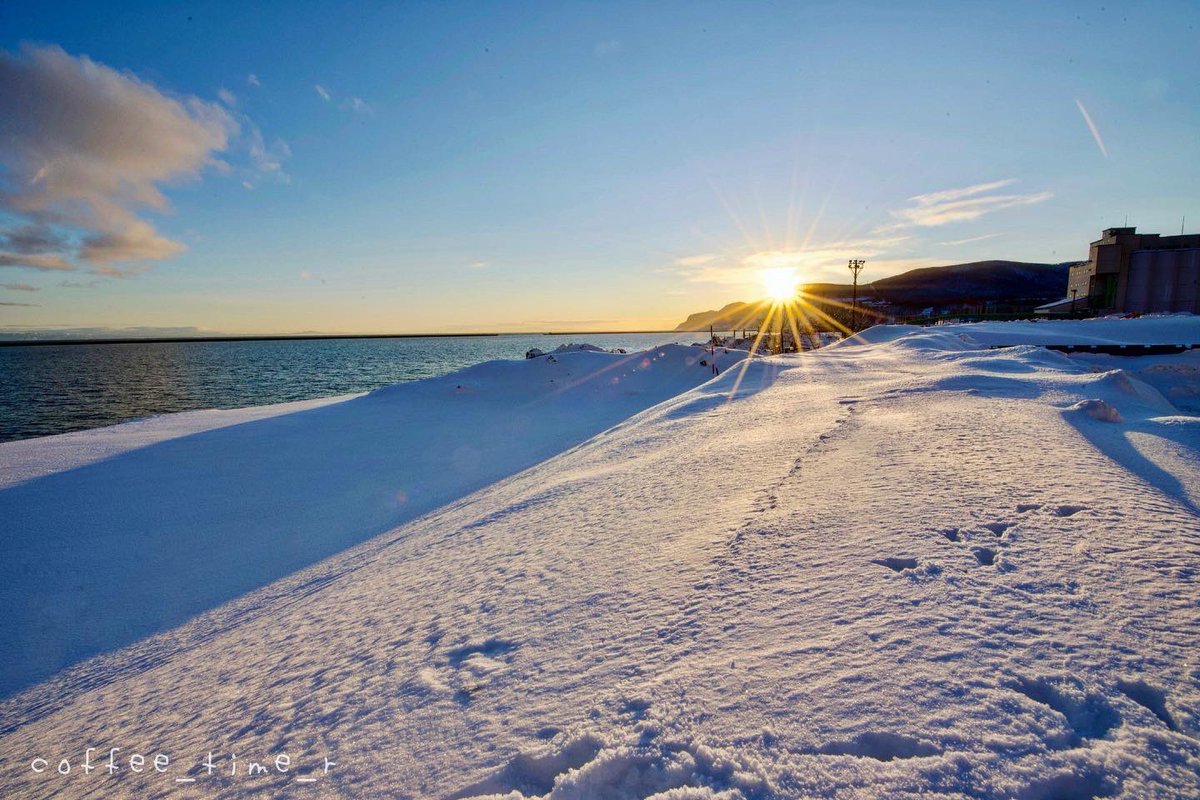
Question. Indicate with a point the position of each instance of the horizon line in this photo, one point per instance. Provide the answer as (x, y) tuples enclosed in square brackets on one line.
[(276, 337)]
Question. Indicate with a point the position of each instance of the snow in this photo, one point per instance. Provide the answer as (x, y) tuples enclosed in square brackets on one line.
[(1098, 409), (904, 566), (27, 459), (571, 347), (195, 509), (1181, 329)]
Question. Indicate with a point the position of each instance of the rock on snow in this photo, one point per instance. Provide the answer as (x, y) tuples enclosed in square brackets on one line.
[(904, 566)]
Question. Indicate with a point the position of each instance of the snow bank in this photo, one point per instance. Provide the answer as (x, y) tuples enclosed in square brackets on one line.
[(116, 533), (909, 568), (571, 347), (1180, 329)]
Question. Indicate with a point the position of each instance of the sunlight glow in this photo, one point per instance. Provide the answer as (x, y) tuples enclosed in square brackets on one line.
[(781, 284)]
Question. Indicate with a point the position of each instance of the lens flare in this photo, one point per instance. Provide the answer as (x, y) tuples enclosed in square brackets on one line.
[(780, 283)]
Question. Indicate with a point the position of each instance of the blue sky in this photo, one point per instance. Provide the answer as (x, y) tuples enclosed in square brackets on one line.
[(503, 166)]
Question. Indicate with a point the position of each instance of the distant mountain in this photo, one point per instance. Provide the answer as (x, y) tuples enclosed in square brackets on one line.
[(734, 315), (976, 282), (1011, 282)]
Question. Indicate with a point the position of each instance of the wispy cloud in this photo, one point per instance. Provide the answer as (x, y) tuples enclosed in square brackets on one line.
[(227, 97), (355, 105), (1092, 127), (358, 106), (825, 262), (697, 260), (960, 205), (253, 80), (985, 237), (27, 305), (20, 287), (43, 261), (266, 160), (113, 271), (68, 332), (86, 148)]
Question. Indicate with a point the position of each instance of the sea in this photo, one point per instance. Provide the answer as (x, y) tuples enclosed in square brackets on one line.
[(50, 389)]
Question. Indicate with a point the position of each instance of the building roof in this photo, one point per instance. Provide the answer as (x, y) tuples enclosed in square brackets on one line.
[(1063, 304)]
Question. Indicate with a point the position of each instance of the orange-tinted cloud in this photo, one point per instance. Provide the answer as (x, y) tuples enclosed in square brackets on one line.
[(85, 148)]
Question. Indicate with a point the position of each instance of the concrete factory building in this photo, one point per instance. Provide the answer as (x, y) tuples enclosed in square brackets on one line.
[(1142, 272)]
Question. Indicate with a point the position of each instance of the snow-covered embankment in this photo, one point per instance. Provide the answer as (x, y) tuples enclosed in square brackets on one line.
[(116, 533)]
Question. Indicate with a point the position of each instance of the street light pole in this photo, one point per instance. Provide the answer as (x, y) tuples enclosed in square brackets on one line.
[(1073, 293), (856, 265)]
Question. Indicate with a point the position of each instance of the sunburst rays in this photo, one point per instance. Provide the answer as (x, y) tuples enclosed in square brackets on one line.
[(795, 315)]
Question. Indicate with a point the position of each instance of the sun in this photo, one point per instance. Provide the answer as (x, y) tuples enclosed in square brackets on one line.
[(780, 283)]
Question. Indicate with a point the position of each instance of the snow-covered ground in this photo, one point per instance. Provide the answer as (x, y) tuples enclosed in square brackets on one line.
[(905, 566), (1182, 329), (116, 533)]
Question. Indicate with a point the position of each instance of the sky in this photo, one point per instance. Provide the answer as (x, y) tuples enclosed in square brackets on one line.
[(453, 167)]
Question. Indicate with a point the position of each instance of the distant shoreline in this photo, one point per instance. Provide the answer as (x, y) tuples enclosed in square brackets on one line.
[(302, 337)]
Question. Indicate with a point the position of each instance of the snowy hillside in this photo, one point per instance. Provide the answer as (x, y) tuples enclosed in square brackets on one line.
[(904, 566)]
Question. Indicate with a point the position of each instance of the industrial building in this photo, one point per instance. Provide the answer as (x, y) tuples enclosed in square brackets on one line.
[(1138, 272)]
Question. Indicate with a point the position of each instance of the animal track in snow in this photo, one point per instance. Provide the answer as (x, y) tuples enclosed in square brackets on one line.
[(767, 498)]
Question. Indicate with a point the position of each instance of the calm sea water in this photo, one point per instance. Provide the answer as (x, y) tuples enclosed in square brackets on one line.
[(54, 389)]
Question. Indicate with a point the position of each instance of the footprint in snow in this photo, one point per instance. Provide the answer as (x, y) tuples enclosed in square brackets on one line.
[(468, 669), (896, 564), (986, 556), (998, 528), (1149, 697), (881, 746), (1087, 715), (1069, 511)]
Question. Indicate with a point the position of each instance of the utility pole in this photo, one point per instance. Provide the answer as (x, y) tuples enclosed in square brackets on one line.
[(1073, 293), (856, 265)]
